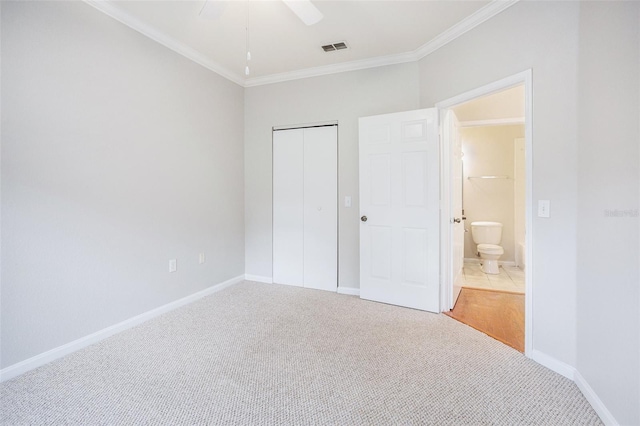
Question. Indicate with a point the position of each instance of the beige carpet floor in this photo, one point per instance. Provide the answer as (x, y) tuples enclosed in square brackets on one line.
[(259, 354)]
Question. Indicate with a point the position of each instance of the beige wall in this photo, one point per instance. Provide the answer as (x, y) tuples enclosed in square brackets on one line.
[(502, 105), (520, 201), (117, 155), (489, 151)]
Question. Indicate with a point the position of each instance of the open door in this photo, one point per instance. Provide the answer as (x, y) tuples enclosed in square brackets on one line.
[(451, 129), (399, 209)]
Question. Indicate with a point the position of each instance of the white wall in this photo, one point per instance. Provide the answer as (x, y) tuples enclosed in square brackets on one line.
[(117, 155), (542, 36), (585, 269), (343, 97), (608, 181), (489, 150)]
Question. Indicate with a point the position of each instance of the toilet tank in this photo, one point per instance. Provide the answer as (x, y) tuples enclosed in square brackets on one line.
[(486, 232)]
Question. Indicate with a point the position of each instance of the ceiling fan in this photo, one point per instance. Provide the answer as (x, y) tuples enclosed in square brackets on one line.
[(304, 9)]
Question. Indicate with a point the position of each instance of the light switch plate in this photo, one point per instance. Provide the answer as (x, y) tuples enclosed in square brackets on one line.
[(347, 201), (201, 258), (173, 265), (543, 208)]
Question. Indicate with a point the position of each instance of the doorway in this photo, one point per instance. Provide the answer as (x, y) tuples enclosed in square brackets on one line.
[(489, 273)]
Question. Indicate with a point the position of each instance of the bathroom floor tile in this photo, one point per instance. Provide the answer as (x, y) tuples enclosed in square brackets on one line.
[(510, 278), (499, 278)]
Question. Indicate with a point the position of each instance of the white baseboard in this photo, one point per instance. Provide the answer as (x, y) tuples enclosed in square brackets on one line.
[(573, 374), (553, 364), (286, 284), (349, 290), (597, 404), (341, 290), (53, 354), (258, 278), (46, 357)]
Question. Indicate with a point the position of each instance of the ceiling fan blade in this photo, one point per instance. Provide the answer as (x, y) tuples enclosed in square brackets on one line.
[(306, 11), (213, 9)]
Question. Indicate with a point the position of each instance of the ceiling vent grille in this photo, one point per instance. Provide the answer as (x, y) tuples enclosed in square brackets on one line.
[(341, 45)]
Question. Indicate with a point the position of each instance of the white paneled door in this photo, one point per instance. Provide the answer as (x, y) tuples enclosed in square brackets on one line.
[(305, 210), (399, 208)]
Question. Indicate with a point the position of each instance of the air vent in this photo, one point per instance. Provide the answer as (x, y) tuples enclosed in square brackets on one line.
[(340, 45)]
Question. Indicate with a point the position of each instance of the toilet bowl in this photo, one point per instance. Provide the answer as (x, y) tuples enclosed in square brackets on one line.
[(487, 236), (490, 253)]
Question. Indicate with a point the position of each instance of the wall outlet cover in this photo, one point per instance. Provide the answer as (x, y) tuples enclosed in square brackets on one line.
[(543, 208)]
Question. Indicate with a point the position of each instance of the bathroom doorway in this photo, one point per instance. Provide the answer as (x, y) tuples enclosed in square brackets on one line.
[(486, 166)]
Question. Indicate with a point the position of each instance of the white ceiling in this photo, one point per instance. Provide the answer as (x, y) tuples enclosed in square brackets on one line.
[(283, 48)]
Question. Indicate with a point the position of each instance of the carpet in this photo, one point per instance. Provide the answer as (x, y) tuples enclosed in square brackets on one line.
[(261, 354)]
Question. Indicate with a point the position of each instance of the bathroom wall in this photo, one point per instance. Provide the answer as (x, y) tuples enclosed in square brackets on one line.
[(489, 151), (520, 200), (507, 104)]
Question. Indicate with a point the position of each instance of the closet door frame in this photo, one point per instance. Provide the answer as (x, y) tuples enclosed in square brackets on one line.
[(277, 272)]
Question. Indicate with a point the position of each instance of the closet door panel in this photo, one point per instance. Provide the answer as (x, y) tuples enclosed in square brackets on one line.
[(288, 212), (320, 208)]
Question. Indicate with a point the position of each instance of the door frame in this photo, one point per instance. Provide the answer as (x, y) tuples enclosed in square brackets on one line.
[(446, 246)]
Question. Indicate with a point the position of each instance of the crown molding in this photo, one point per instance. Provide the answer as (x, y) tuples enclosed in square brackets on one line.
[(379, 61), (106, 7), (481, 15), (467, 24)]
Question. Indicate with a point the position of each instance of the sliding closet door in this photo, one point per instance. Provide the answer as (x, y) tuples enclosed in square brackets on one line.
[(320, 208), (305, 209), (288, 212)]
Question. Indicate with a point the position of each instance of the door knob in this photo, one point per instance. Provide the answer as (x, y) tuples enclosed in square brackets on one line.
[(363, 218), (456, 219)]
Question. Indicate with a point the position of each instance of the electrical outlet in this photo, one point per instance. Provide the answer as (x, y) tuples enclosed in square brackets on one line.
[(543, 208), (173, 265), (201, 258)]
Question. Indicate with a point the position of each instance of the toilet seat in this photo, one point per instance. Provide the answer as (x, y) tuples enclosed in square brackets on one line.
[(490, 249)]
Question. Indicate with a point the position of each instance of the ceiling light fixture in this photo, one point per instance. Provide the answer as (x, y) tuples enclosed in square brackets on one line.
[(304, 9)]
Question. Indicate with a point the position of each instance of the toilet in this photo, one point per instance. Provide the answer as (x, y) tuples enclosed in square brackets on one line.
[(487, 236)]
